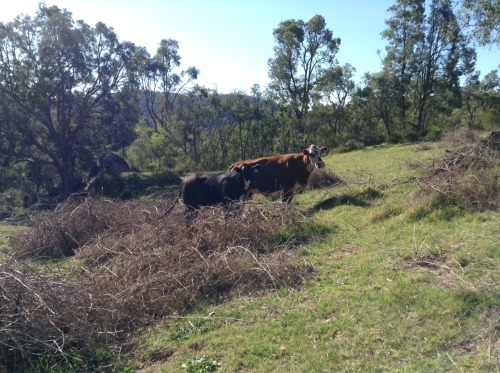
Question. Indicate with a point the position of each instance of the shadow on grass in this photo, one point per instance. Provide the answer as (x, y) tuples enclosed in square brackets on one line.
[(361, 200)]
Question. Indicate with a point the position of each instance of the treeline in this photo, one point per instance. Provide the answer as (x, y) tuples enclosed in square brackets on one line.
[(70, 93)]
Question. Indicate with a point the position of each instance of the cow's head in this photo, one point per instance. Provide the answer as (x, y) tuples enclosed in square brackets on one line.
[(248, 173), (314, 154)]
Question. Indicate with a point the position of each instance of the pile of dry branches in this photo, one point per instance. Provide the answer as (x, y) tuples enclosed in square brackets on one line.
[(73, 224), (40, 314), (323, 178), (469, 174), (133, 264)]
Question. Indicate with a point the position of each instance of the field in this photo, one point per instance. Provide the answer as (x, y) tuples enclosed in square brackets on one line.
[(397, 279), (392, 291)]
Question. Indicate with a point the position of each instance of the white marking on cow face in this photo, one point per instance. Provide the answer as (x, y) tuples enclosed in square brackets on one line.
[(248, 184), (248, 173), (314, 154)]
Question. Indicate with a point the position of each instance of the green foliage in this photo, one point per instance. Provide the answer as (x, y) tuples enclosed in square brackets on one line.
[(482, 16), (90, 361), (11, 201), (54, 121), (151, 151), (201, 365), (415, 34), (190, 327), (331, 104), (479, 103), (304, 56)]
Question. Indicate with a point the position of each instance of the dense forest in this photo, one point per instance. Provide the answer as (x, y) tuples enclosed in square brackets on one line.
[(71, 93)]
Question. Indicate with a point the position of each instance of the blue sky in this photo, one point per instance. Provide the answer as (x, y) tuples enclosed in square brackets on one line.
[(230, 41)]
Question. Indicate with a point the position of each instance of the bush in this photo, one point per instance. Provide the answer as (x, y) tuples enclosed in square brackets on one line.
[(10, 202)]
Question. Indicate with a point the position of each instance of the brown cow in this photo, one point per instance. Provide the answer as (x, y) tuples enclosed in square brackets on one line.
[(285, 172)]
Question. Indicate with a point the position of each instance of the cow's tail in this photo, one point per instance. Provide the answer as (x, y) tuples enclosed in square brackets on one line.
[(175, 202)]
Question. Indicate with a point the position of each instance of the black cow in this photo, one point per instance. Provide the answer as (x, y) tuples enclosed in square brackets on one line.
[(208, 189)]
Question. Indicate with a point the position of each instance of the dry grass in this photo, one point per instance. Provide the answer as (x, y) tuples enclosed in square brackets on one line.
[(132, 265)]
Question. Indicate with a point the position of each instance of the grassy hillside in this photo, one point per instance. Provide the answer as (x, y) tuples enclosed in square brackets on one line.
[(389, 270), (399, 284)]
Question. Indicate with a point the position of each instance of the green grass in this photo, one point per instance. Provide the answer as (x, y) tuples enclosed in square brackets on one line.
[(396, 287), (6, 231)]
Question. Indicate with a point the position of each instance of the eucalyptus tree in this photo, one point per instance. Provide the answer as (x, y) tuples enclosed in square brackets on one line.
[(336, 91), (382, 94), (162, 82), (481, 100), (472, 99), (490, 87), (482, 17), (262, 128), (65, 82), (430, 65), (304, 52), (364, 116), (443, 58), (404, 30), (189, 126)]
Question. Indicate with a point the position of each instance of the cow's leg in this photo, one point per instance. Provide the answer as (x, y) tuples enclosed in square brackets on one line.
[(248, 194), (287, 195), (232, 209), (190, 214)]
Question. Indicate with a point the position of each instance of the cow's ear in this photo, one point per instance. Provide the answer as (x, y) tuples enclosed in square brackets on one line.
[(305, 152), (238, 169), (324, 150), (256, 167)]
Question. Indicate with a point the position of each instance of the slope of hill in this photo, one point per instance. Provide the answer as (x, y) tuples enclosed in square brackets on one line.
[(400, 283)]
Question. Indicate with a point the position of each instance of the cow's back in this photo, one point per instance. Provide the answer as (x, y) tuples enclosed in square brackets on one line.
[(211, 189), (279, 172), (198, 190), (232, 186)]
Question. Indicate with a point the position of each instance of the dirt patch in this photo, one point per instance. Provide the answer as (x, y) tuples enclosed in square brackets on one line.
[(447, 270), (346, 250)]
